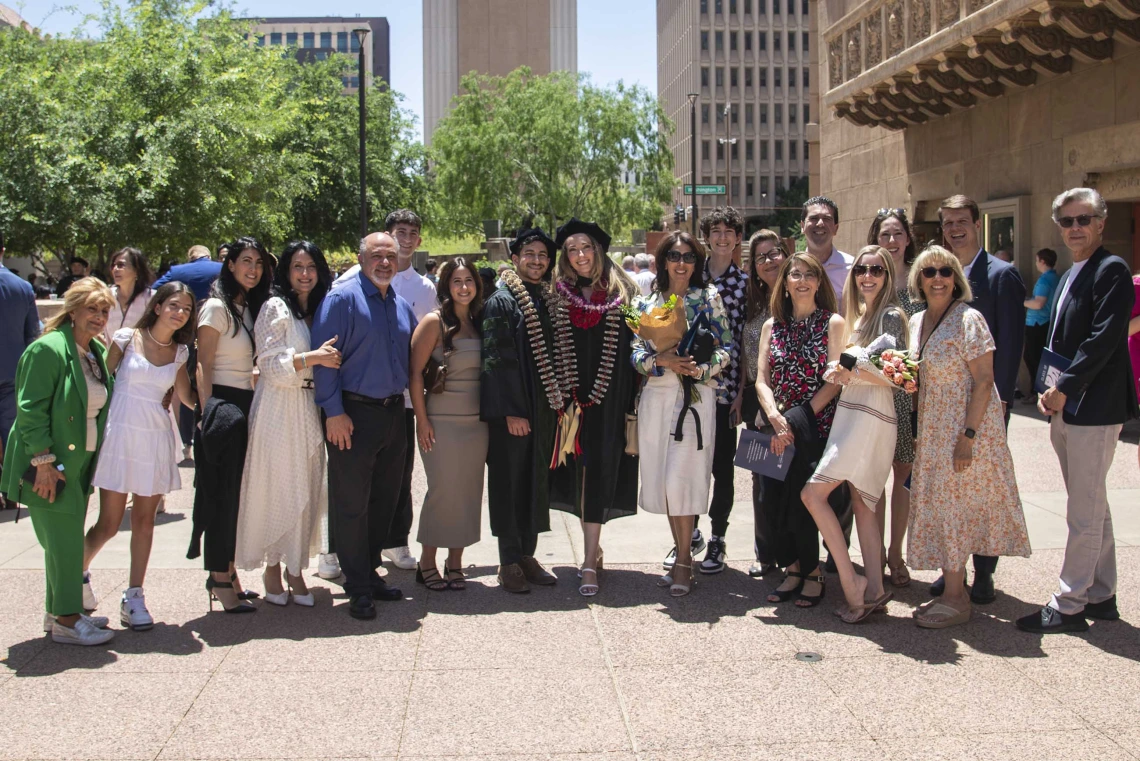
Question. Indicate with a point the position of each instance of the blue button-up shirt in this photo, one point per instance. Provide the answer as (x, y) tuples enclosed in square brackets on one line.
[(374, 338)]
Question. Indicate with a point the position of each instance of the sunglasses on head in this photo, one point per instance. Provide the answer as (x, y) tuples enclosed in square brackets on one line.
[(930, 272), (874, 270), (900, 213), (1081, 220), (675, 256)]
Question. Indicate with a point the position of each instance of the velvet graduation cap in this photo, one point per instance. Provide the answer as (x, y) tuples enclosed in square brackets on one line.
[(575, 226), (533, 232)]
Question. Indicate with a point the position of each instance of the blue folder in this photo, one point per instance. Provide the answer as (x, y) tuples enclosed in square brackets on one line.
[(1049, 372)]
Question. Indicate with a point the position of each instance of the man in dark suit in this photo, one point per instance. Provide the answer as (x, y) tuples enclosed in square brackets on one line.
[(19, 326), (999, 294), (199, 272), (1088, 403)]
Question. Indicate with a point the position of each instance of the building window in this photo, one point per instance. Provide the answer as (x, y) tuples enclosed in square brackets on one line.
[(719, 114), (764, 186), (704, 42), (748, 77), (764, 152), (735, 185), (704, 7), (719, 76), (704, 150), (779, 115), (763, 113), (807, 115), (733, 80), (805, 7), (326, 40), (290, 38), (732, 6), (779, 157), (779, 76), (310, 40), (763, 41), (719, 42), (791, 7), (775, 7), (748, 114), (762, 7), (748, 155), (792, 114), (342, 42), (354, 44), (275, 38), (791, 150), (732, 41), (704, 113), (764, 77), (748, 7), (720, 151), (734, 152), (791, 41), (748, 42), (354, 82), (719, 4), (261, 40), (805, 150), (791, 79), (779, 183), (804, 46), (322, 55), (749, 187), (776, 41), (704, 76), (734, 114), (806, 79)]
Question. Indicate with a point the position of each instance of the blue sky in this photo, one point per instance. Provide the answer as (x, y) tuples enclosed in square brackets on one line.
[(616, 40)]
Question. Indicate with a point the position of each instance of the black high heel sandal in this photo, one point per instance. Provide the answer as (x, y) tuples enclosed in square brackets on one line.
[(241, 607), (245, 594), (431, 579), (787, 594), (812, 600)]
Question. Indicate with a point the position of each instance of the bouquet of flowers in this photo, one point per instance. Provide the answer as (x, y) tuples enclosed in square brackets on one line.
[(899, 368), (662, 327)]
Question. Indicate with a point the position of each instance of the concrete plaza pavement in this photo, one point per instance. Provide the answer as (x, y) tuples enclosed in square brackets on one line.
[(629, 674)]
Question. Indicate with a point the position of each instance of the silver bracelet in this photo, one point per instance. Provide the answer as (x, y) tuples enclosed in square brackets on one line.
[(43, 459), (304, 363)]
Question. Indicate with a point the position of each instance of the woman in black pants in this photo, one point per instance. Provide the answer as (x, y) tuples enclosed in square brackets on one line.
[(225, 392)]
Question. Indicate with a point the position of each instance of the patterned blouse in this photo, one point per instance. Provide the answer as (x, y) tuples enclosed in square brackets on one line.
[(909, 305), (733, 289), (797, 357), (696, 301), (750, 356)]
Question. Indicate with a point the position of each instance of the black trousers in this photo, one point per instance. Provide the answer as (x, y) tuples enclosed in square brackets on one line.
[(513, 548), (723, 472), (988, 563), (186, 425), (363, 489), (1035, 338), (402, 520), (219, 540), (510, 484)]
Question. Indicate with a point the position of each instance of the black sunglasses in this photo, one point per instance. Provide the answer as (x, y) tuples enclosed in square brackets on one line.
[(1082, 220), (930, 272), (874, 270), (900, 213), (676, 256)]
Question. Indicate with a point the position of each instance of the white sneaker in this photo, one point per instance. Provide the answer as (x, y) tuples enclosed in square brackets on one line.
[(83, 633), (328, 566), (90, 601), (133, 612), (99, 622), (401, 557)]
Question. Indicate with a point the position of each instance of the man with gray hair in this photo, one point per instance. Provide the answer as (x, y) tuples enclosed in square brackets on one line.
[(1089, 392), (627, 264), (643, 275)]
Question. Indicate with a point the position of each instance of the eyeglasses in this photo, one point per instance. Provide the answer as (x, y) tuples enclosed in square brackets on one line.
[(900, 213), (874, 270), (797, 275), (930, 272), (675, 256), (774, 255), (1082, 220)]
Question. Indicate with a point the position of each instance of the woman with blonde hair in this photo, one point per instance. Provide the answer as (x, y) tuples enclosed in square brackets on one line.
[(62, 389), (862, 441), (592, 477)]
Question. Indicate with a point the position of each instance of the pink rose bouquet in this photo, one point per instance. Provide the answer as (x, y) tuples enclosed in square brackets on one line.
[(898, 367)]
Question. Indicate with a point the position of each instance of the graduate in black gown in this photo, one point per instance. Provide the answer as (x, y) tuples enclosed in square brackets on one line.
[(519, 399), (594, 478)]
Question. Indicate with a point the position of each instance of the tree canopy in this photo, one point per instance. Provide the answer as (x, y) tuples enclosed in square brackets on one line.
[(549, 147)]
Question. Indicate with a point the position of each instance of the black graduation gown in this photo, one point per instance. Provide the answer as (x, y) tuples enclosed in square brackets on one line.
[(607, 488), (518, 467)]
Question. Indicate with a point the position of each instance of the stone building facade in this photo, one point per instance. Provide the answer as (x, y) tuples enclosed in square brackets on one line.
[(1007, 101)]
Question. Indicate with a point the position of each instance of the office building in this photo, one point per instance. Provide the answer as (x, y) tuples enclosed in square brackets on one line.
[(749, 63), (315, 38), (492, 37)]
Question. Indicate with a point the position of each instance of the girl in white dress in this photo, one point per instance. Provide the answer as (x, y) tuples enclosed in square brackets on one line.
[(284, 491), (140, 450), (861, 445)]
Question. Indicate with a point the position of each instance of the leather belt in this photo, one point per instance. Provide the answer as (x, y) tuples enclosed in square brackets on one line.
[(385, 402), (308, 383)]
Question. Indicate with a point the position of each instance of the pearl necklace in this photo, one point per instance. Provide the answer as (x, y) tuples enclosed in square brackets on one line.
[(566, 359), (538, 347), (160, 343)]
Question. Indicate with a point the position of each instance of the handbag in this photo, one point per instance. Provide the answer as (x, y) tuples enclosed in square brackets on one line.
[(631, 447), (435, 373), (698, 343)]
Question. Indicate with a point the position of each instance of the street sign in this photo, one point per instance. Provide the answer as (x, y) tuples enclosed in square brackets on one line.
[(705, 190)]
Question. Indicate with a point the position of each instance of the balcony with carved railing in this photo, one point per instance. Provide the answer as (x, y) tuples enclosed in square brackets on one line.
[(893, 63)]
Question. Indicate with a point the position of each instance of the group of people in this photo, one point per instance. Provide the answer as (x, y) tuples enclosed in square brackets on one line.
[(308, 397)]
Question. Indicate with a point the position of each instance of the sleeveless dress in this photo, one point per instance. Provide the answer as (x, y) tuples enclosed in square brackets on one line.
[(140, 451), (454, 467)]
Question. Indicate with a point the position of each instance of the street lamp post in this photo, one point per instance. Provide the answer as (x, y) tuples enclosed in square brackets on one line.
[(361, 35), (693, 167)]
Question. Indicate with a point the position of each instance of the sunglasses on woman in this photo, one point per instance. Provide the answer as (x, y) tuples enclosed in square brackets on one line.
[(676, 256), (874, 270), (1081, 220), (930, 272)]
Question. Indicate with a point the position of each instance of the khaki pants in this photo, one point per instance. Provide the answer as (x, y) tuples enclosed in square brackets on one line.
[(1088, 574)]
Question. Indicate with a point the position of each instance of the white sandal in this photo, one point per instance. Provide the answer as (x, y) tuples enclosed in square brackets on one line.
[(680, 590), (588, 590)]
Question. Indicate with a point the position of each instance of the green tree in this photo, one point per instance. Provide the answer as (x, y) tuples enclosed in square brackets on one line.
[(786, 220), (549, 147)]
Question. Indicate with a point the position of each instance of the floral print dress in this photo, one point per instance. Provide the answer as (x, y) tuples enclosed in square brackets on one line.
[(797, 357)]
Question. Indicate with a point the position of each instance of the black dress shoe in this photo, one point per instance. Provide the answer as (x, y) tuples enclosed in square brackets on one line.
[(1050, 621), (938, 586), (361, 607), (1103, 611), (982, 592), (381, 591)]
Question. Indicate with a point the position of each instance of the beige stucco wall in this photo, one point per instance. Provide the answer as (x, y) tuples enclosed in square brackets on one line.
[(1035, 141)]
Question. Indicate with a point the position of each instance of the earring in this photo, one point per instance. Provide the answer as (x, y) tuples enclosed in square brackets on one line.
[(787, 295)]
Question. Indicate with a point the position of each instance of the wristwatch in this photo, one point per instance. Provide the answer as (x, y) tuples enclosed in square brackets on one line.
[(970, 433)]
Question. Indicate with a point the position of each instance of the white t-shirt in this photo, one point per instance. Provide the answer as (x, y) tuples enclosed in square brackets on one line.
[(836, 267), (1073, 272), (417, 290), (119, 319), (644, 280), (969, 267), (233, 362)]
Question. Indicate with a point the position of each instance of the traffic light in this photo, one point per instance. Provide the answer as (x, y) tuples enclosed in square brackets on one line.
[(684, 213), (677, 216)]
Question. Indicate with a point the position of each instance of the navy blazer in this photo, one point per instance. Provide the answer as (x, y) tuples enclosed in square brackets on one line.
[(999, 294), (199, 274), (1092, 331), (19, 321)]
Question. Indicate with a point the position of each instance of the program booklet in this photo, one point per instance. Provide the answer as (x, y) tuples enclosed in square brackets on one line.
[(1049, 372), (754, 453)]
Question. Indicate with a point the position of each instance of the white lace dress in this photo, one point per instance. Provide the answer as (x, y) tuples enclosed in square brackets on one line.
[(284, 493), (140, 452)]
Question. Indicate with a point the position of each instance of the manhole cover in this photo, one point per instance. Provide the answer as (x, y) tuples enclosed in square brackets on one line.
[(809, 657)]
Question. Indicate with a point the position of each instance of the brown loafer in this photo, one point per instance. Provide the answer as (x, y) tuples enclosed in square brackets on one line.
[(512, 578), (536, 574)]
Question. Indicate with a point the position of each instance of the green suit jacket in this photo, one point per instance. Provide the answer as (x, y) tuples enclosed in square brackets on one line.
[(51, 413)]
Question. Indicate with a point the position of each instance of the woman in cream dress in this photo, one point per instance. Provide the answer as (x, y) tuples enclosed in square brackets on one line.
[(284, 493)]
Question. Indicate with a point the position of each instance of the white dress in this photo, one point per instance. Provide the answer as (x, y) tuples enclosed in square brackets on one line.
[(140, 451), (122, 319), (284, 493)]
